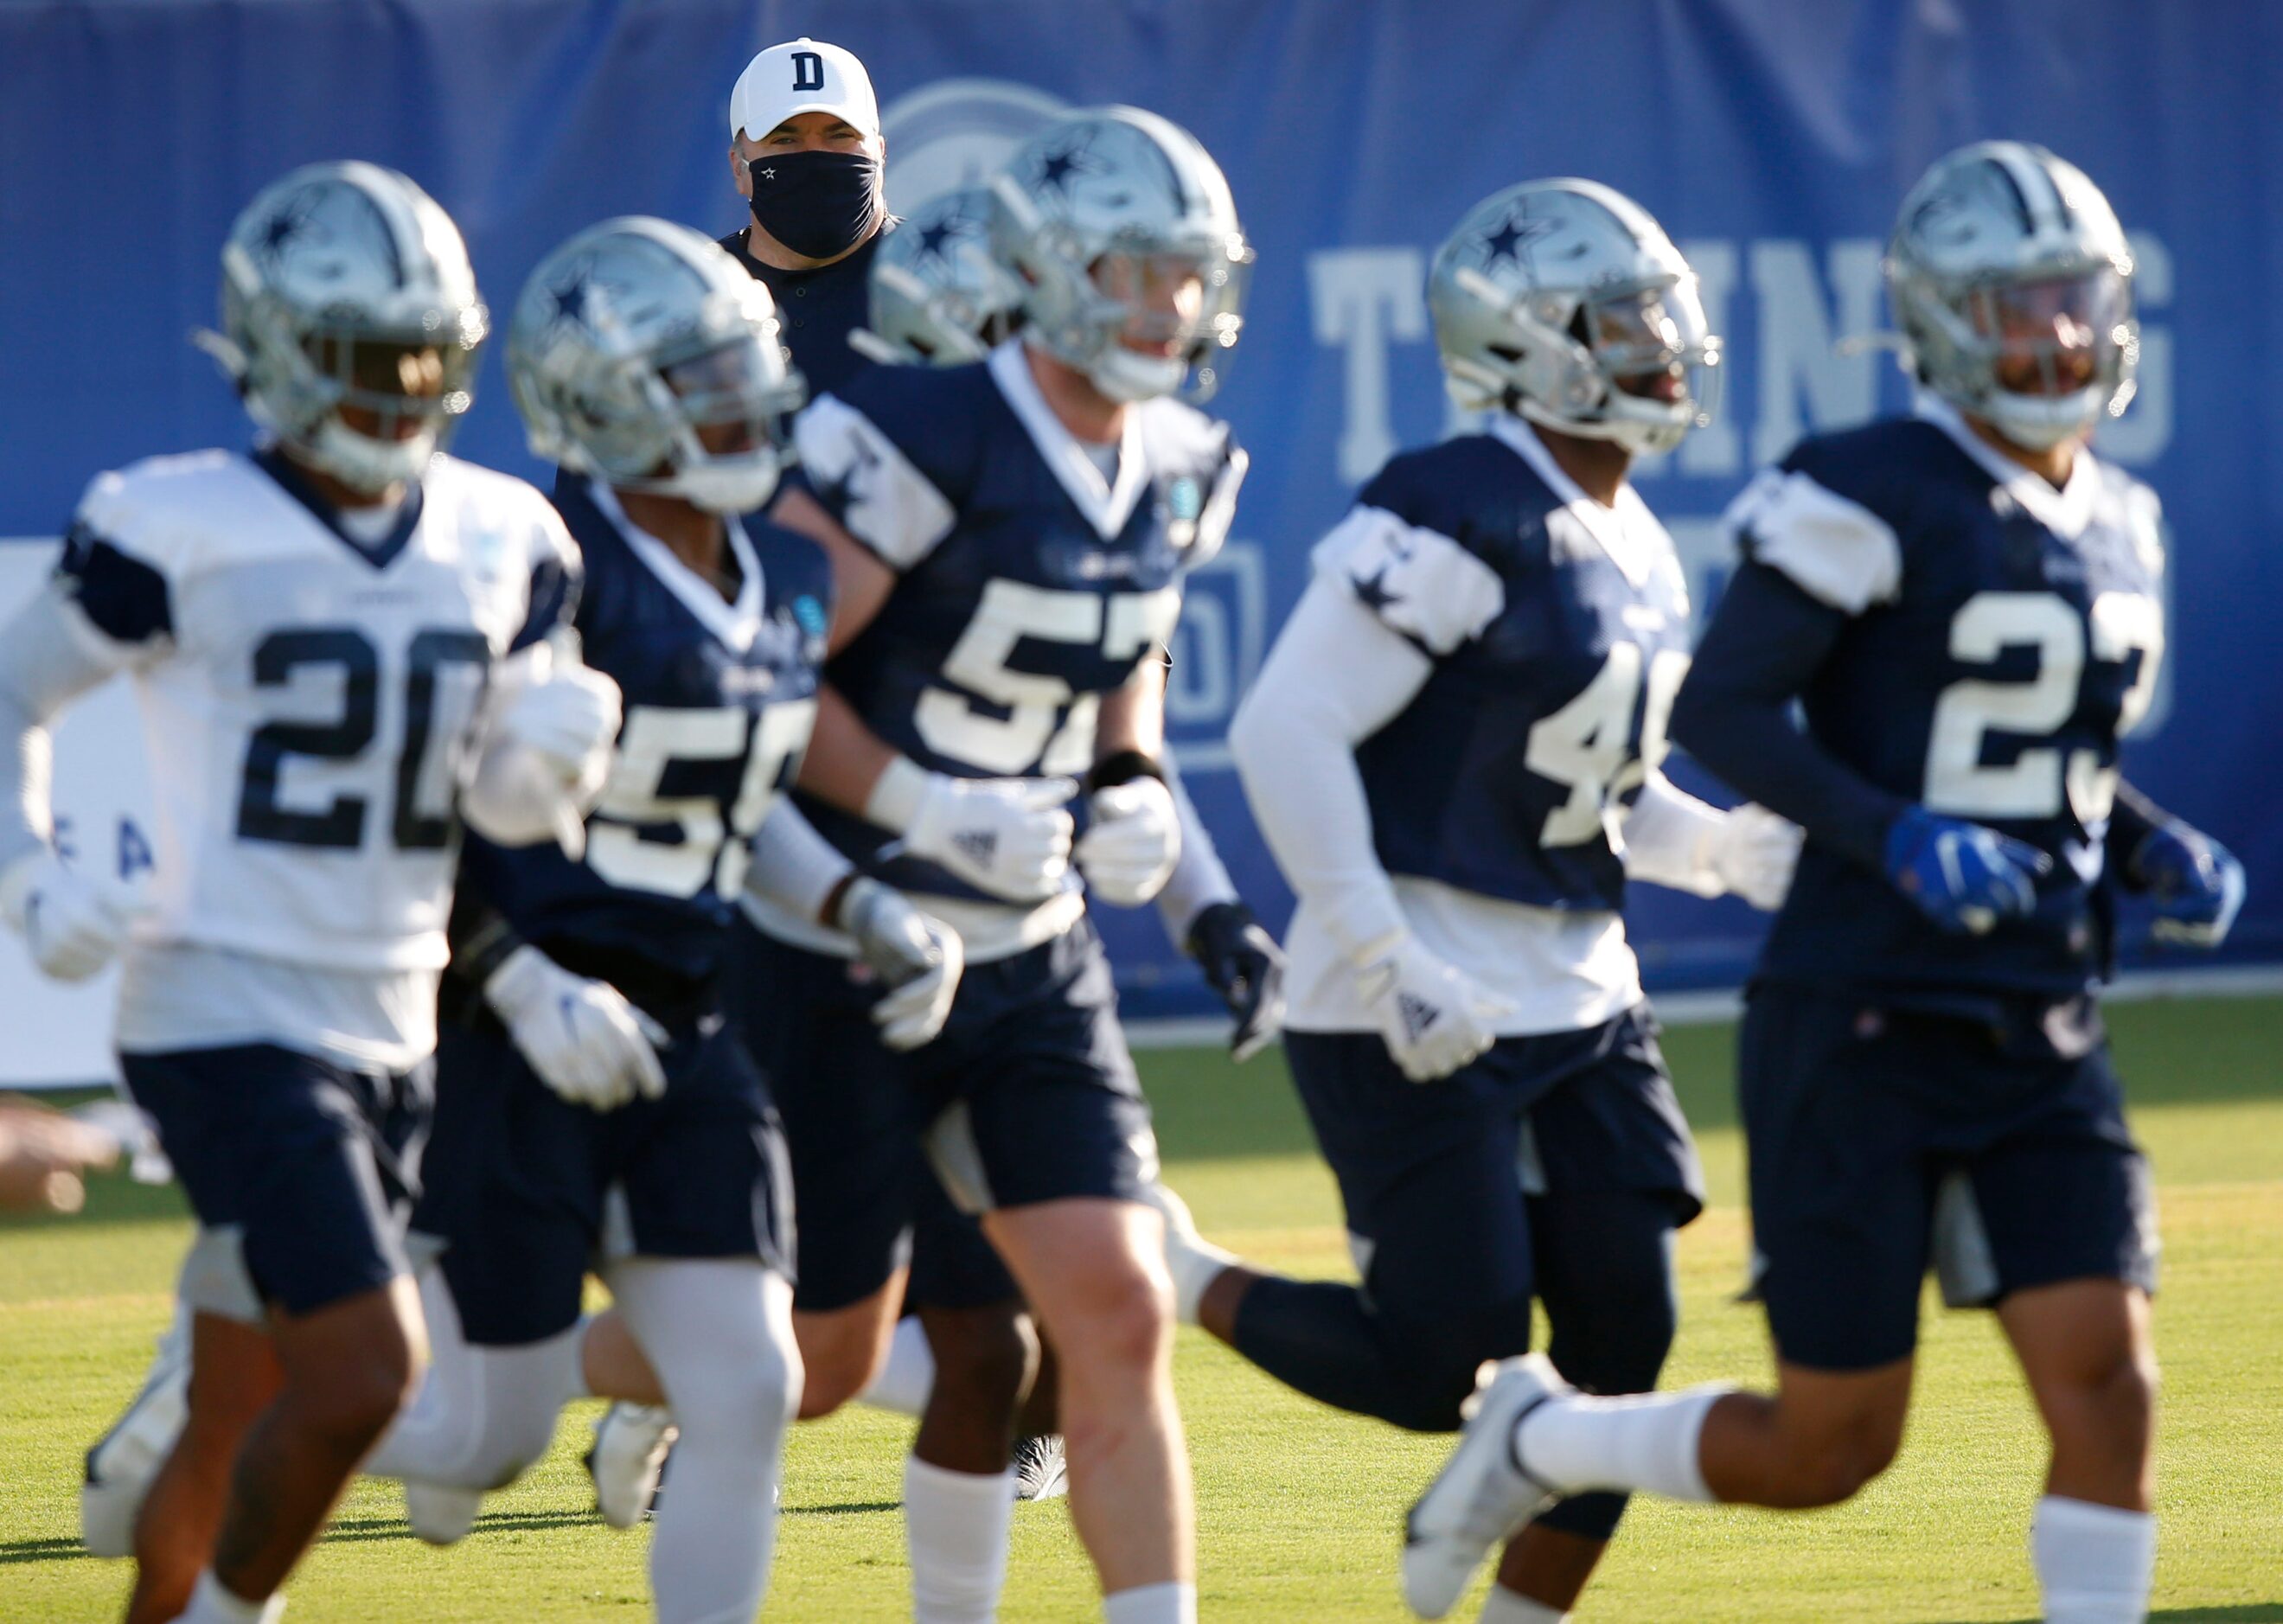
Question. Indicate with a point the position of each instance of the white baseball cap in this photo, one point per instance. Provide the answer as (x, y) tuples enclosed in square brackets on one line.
[(802, 75)]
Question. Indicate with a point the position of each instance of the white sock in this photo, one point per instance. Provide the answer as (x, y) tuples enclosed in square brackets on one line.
[(719, 1332), (907, 1377), (1171, 1603), (1576, 1443), (212, 1603), (2095, 1562), (956, 1523), (1505, 1606)]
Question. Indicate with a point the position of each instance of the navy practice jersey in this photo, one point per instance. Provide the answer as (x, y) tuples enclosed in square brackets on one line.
[(1031, 585), (719, 701), (817, 311), (1558, 629), (1962, 635)]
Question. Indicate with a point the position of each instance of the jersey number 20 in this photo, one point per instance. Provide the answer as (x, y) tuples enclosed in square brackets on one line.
[(437, 714)]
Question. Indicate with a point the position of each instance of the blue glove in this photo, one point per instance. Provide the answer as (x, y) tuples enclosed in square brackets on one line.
[(1961, 876), (2196, 883)]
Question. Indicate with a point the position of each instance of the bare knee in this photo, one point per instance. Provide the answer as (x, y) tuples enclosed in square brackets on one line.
[(1121, 1323), (841, 1353), (1840, 1462), (984, 1359), (2110, 1396), (349, 1401)]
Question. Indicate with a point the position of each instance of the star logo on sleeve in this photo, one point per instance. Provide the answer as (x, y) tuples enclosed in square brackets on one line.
[(1371, 590), (840, 492)]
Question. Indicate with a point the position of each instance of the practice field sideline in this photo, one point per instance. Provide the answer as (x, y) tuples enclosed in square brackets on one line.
[(1299, 1508)]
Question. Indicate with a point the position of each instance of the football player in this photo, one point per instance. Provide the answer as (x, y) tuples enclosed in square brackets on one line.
[(1452, 751), (596, 1103), (1009, 540), (311, 628), (1965, 603)]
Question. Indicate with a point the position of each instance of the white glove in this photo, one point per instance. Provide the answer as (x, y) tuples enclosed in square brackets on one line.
[(73, 927), (1753, 851), (1435, 1018), (917, 958), (1009, 837), (547, 741), (1132, 843), (582, 1037)]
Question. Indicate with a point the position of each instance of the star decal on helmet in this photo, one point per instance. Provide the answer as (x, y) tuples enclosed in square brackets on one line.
[(1057, 168), (933, 238), (1512, 239), (293, 221), (571, 296)]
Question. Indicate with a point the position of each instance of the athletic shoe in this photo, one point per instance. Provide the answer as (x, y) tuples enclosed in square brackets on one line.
[(1041, 1470), (1483, 1495), (625, 1459)]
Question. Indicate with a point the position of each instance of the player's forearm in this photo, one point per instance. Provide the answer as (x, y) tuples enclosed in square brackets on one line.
[(845, 758), (1132, 718), (1334, 677), (1199, 878), (45, 663), (794, 867), (1734, 715)]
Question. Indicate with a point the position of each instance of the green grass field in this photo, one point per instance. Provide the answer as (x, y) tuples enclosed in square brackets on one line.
[(1298, 1508)]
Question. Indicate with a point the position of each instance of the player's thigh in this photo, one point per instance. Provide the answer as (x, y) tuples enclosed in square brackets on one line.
[(1429, 1175), (1093, 1270), (846, 1106), (511, 1191), (702, 1173), (2063, 1193), (1841, 1195), (1040, 1102), (300, 1172)]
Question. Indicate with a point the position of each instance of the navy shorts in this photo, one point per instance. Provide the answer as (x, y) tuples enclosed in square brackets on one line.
[(1856, 1116), (1431, 1174), (529, 1193), (1028, 1095), (301, 1172)]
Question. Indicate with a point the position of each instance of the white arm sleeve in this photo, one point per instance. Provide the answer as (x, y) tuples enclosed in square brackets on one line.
[(49, 656), (794, 867), (1199, 878), (1668, 837), (1337, 675)]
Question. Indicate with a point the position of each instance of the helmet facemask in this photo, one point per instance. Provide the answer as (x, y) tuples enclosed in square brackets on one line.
[(716, 426), (1633, 364), (2041, 357)]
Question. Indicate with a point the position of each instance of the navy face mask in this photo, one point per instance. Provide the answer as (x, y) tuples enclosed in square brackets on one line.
[(817, 204)]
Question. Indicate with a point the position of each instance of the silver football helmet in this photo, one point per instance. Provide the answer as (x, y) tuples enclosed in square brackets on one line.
[(350, 320), (641, 353), (1564, 301), (2012, 282), (938, 296), (1122, 229)]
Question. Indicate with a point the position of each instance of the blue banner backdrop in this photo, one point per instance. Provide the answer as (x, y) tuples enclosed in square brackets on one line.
[(1774, 140)]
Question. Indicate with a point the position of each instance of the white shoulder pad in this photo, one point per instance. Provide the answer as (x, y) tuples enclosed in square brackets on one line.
[(2143, 515), (1837, 551), (162, 510), (883, 502), (1421, 584), (504, 505)]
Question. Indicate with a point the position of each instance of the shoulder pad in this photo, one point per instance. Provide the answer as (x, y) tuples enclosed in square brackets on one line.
[(868, 476), (1831, 546), (1420, 583)]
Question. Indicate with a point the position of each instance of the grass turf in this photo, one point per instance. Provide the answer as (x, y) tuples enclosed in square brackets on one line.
[(1299, 1507)]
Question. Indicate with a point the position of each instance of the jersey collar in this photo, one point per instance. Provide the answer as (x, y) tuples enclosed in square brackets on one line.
[(1107, 506), (736, 624), (1629, 533), (2066, 511), (380, 553)]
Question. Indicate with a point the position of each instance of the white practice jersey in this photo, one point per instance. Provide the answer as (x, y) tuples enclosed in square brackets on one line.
[(309, 701)]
